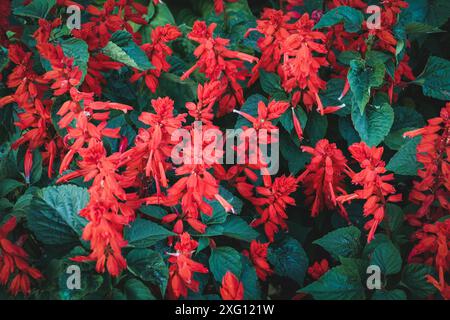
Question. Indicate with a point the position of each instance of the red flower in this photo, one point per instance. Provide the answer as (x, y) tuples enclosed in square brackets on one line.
[(64, 74), (182, 268), (258, 256), (433, 249), (433, 153), (268, 113), (232, 288), (318, 269), (13, 262), (377, 190), (109, 208), (324, 177), (218, 62), (154, 145), (272, 205), (207, 95), (157, 52)]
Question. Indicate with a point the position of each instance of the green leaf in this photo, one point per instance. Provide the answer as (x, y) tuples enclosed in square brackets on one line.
[(136, 290), (149, 266), (162, 16), (414, 278), (404, 162), (144, 233), (374, 124), (418, 27), (121, 48), (4, 59), (238, 228), (435, 79), (35, 9), (345, 57), (224, 259), (387, 257), (316, 128), (352, 19), (8, 185), (407, 117), (180, 91), (219, 214), (362, 77), (339, 283), (343, 242), (347, 130), (270, 82), (296, 158), (250, 281), (395, 217), (54, 214), (395, 294), (153, 211), (289, 259), (77, 49)]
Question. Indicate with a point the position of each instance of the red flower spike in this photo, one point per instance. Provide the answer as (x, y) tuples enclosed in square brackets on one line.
[(231, 288)]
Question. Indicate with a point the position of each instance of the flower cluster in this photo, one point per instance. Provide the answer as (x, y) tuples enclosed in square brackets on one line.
[(14, 262), (219, 63), (107, 109), (376, 187)]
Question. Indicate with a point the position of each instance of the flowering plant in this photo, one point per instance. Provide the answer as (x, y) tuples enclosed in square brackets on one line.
[(113, 186)]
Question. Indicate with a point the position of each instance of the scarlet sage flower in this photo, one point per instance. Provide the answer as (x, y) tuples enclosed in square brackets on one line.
[(42, 34), (218, 62), (84, 109), (35, 120), (97, 64), (232, 288), (157, 51), (324, 177), (109, 208), (271, 204), (275, 27), (14, 265), (266, 114), (207, 95), (153, 146), (22, 78), (101, 25), (318, 269), (133, 11), (64, 74), (258, 256), (300, 66), (357, 4), (376, 189), (182, 268), (433, 249), (432, 192)]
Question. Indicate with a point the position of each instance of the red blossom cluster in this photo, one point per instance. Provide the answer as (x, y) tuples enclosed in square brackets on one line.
[(376, 189), (232, 288), (318, 269), (431, 194), (142, 171), (324, 177), (219, 63), (182, 268), (296, 53), (14, 262), (157, 52)]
